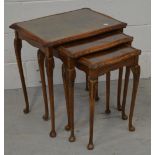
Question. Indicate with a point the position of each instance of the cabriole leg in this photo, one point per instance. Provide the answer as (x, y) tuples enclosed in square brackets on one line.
[(87, 84), (49, 70), (41, 58), (107, 111), (67, 127), (136, 75), (127, 74), (18, 46), (92, 89), (96, 94), (119, 108), (70, 78)]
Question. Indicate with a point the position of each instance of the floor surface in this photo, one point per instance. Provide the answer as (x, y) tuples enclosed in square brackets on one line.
[(29, 134)]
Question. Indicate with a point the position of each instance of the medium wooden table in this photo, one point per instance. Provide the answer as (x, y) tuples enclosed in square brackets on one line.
[(49, 32)]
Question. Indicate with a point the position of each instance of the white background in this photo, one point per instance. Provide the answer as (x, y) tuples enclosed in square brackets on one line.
[(134, 12)]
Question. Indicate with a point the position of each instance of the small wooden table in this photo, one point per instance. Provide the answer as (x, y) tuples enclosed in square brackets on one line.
[(49, 32), (103, 62)]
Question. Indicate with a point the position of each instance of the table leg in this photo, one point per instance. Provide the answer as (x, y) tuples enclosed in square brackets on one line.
[(67, 127), (92, 89), (87, 83), (49, 70), (136, 75), (127, 74), (96, 94), (87, 88), (41, 58), (107, 111), (119, 108), (18, 46), (70, 78)]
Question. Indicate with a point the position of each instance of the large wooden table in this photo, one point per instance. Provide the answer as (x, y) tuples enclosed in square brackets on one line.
[(48, 33)]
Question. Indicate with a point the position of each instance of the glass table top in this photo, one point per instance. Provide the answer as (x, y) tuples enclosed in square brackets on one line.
[(56, 27)]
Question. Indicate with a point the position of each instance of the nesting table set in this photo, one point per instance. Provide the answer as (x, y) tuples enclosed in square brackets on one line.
[(92, 42)]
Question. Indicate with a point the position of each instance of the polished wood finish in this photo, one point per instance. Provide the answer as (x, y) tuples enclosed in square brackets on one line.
[(71, 62), (18, 46), (102, 63), (106, 57), (48, 33), (65, 27), (41, 60), (119, 107), (70, 78), (96, 92), (67, 127), (49, 70), (107, 111), (87, 84), (92, 86), (127, 74), (94, 44), (136, 74)]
